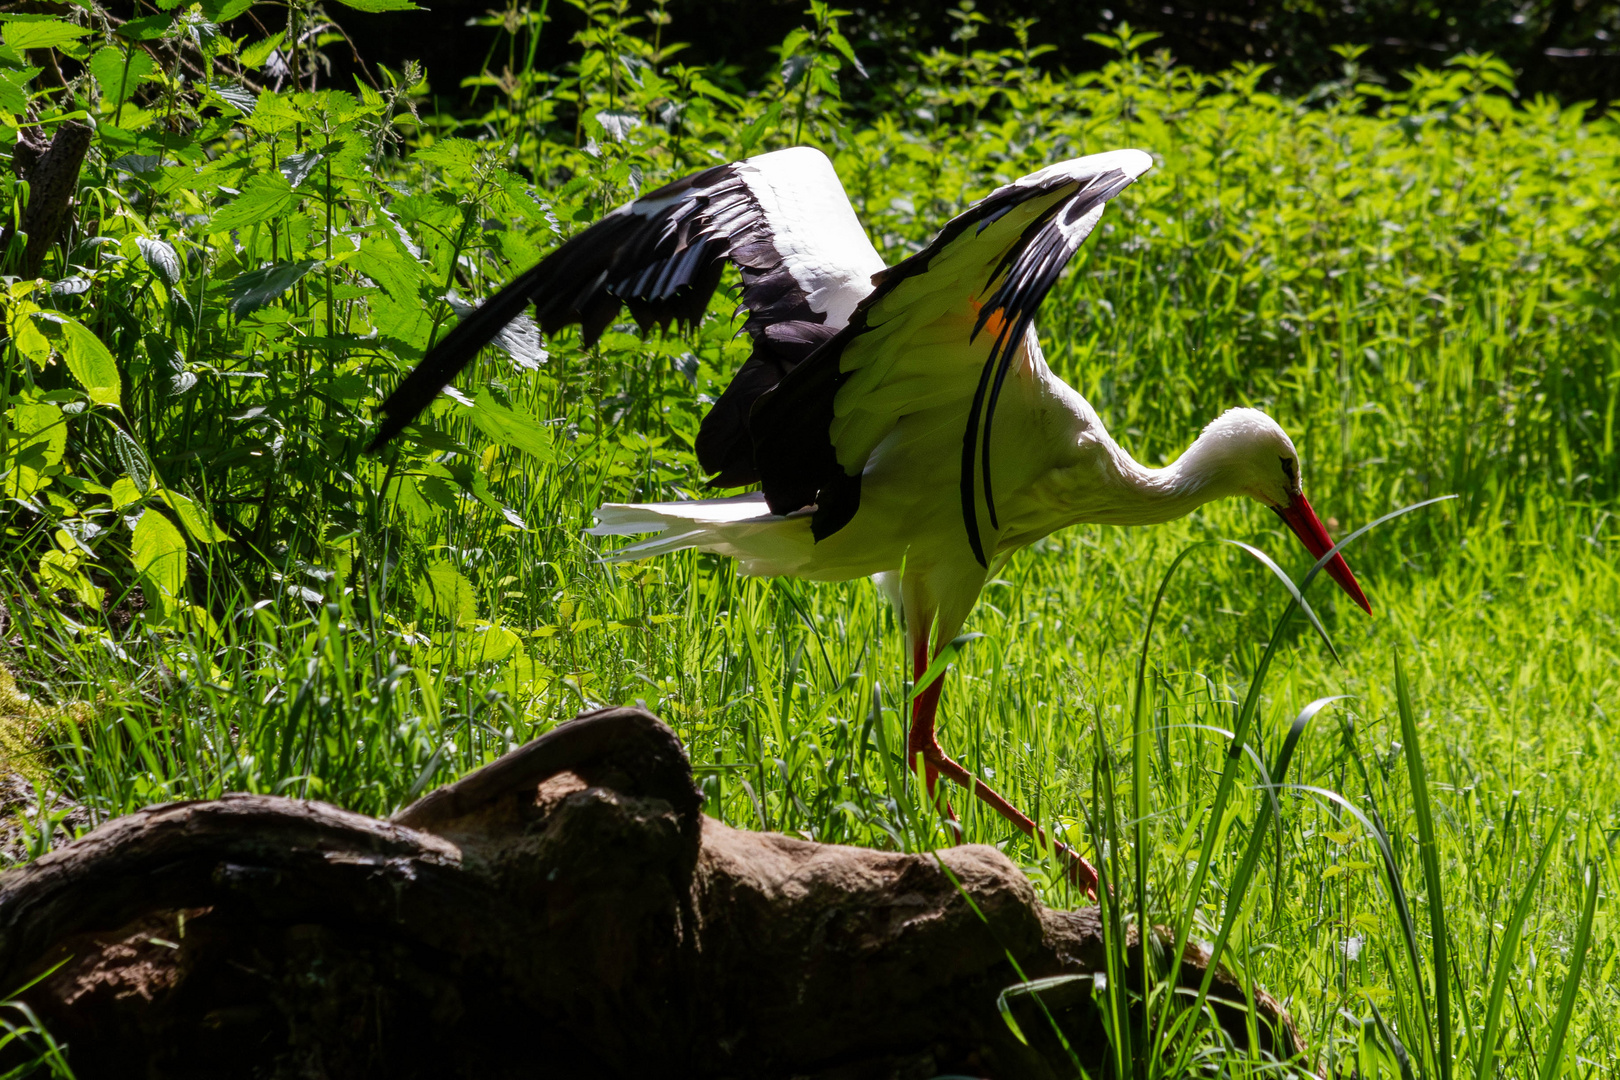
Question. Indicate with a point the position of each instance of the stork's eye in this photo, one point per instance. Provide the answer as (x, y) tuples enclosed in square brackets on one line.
[(1291, 470)]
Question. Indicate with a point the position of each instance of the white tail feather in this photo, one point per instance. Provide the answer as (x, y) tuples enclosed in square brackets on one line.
[(628, 519), (742, 527)]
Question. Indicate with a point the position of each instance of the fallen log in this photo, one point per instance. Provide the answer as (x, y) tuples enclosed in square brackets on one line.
[(567, 909)]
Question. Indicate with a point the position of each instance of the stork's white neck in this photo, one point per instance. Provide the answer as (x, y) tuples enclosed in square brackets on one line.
[(1234, 455), (1151, 496)]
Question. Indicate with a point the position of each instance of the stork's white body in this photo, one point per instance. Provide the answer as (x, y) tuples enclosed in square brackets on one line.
[(1052, 462), (901, 420), (1053, 466)]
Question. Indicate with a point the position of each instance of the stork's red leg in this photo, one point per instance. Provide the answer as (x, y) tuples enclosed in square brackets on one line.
[(922, 736), (923, 741)]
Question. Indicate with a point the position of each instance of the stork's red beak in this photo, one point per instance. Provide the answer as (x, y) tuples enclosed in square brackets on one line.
[(1302, 519)]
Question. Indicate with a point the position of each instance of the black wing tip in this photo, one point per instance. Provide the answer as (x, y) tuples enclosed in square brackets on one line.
[(1016, 300), (417, 391), (394, 421)]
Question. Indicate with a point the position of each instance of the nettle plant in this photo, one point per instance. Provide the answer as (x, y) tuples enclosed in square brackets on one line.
[(193, 368), (251, 264)]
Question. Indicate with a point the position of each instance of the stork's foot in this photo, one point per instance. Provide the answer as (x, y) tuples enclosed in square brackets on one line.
[(937, 763)]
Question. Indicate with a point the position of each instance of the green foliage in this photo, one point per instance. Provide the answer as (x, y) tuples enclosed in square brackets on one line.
[(1420, 285)]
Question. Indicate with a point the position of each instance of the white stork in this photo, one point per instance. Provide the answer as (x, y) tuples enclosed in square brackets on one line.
[(901, 421)]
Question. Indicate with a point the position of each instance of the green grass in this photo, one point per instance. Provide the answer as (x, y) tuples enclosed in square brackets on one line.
[(1418, 284)]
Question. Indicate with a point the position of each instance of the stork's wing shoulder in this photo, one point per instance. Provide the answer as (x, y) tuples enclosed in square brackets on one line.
[(782, 218), (944, 325)]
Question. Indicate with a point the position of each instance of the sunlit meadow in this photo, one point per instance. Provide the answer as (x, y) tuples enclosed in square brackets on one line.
[(210, 588)]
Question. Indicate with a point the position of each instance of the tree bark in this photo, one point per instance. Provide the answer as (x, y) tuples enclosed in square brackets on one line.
[(52, 174), (565, 910)]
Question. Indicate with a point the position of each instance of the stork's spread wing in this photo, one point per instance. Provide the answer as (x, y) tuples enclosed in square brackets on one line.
[(945, 324), (783, 218)]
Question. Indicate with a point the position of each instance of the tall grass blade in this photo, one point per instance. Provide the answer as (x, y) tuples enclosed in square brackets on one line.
[(1293, 590), (1554, 1055), (1429, 857), (1105, 829), (1397, 1049), (28, 1036), (1397, 895), (1269, 807), (1240, 730), (943, 660), (1139, 776), (1508, 953)]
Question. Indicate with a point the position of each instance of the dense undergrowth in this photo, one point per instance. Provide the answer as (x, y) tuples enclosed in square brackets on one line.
[(1420, 284)]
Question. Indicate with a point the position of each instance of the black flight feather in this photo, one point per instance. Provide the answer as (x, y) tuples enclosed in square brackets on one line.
[(1031, 267), (662, 257)]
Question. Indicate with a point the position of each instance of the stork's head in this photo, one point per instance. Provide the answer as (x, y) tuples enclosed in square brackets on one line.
[(1254, 457)]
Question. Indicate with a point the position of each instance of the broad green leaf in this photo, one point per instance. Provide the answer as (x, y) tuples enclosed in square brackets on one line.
[(263, 197), (36, 441), (237, 96), (447, 593), (455, 156), (380, 5), (618, 123), (14, 89), (297, 167), (255, 55), (43, 34), (223, 11), (400, 276), (139, 164), (409, 502), (59, 571), (132, 458), (205, 35), (755, 131), (253, 290), (198, 524), (159, 554), (87, 358), (511, 428), (145, 28), (403, 326), (421, 497), (841, 43), (161, 257), (116, 81), (519, 339), (472, 480), (274, 114), (489, 645), (126, 492), (170, 373), (27, 333)]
